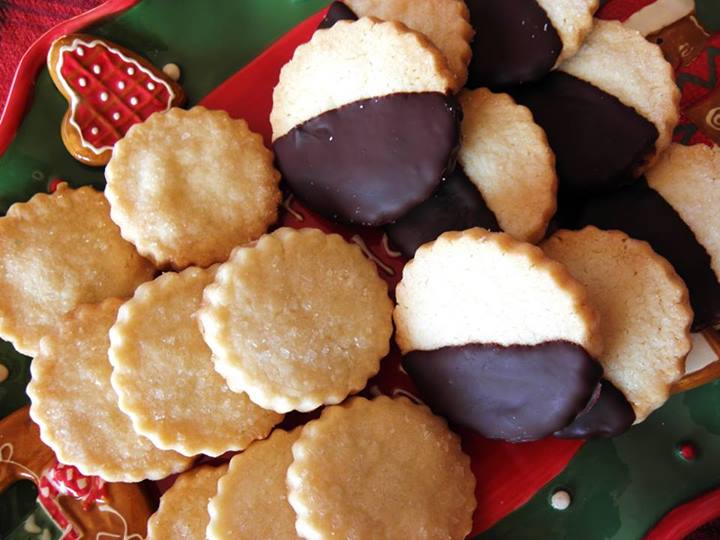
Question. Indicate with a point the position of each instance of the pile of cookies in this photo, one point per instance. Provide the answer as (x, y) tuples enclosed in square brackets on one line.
[(168, 318)]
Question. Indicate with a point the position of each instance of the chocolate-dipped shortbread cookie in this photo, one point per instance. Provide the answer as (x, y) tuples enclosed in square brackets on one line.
[(505, 178), (496, 335), (645, 321), (674, 209), (522, 40), (609, 111), (363, 124)]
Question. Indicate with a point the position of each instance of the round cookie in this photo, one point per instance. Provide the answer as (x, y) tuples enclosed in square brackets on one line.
[(183, 512), (644, 307), (496, 335), (188, 186), (363, 126), (251, 500), (164, 376), (521, 41), (608, 111), (75, 406), (298, 320), (385, 468), (58, 251), (444, 22)]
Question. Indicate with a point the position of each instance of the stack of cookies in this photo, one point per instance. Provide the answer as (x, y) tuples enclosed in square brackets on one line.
[(562, 249)]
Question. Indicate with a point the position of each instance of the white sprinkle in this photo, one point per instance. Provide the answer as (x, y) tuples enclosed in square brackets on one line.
[(131, 70), (121, 85), (94, 130), (150, 86), (172, 71), (560, 500), (104, 96), (82, 81), (133, 101), (545, 28), (96, 69), (116, 115), (80, 51), (331, 138)]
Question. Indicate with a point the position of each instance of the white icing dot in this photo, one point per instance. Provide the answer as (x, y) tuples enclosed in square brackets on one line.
[(133, 101), (94, 130), (104, 96), (150, 86), (116, 115), (172, 71), (121, 85), (80, 51), (131, 70), (82, 81), (96, 69), (4, 373), (560, 500)]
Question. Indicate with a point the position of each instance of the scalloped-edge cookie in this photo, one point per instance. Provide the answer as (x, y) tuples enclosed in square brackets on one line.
[(251, 500), (58, 251), (298, 320), (507, 156), (386, 458), (164, 375), (444, 22), (573, 20), (183, 511), (644, 307), (76, 408), (186, 187)]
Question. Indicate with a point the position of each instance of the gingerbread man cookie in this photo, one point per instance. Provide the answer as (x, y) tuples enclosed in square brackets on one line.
[(80, 506), (109, 89)]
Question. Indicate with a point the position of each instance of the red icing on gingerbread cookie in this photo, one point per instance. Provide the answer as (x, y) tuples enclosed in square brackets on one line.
[(109, 89)]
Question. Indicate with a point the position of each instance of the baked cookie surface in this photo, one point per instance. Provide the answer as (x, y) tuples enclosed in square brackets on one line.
[(164, 376), (185, 187), (77, 410), (388, 459), (298, 320), (58, 251)]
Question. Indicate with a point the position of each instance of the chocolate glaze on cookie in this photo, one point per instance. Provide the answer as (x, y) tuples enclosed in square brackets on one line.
[(598, 141), (515, 42), (642, 213), (455, 205), (516, 393), (337, 12), (610, 415), (373, 160)]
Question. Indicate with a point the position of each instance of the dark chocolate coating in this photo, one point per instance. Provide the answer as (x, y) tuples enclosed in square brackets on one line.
[(337, 12), (515, 42), (373, 160), (609, 416), (598, 141), (516, 393), (456, 205), (642, 213)]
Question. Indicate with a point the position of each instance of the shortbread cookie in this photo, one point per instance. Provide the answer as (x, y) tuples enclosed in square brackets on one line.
[(251, 500), (444, 22), (496, 335), (363, 126), (675, 212), (504, 180), (608, 111), (108, 89), (58, 251), (644, 307), (76, 408), (183, 512), (380, 469), (521, 41), (187, 186), (164, 375), (299, 320)]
